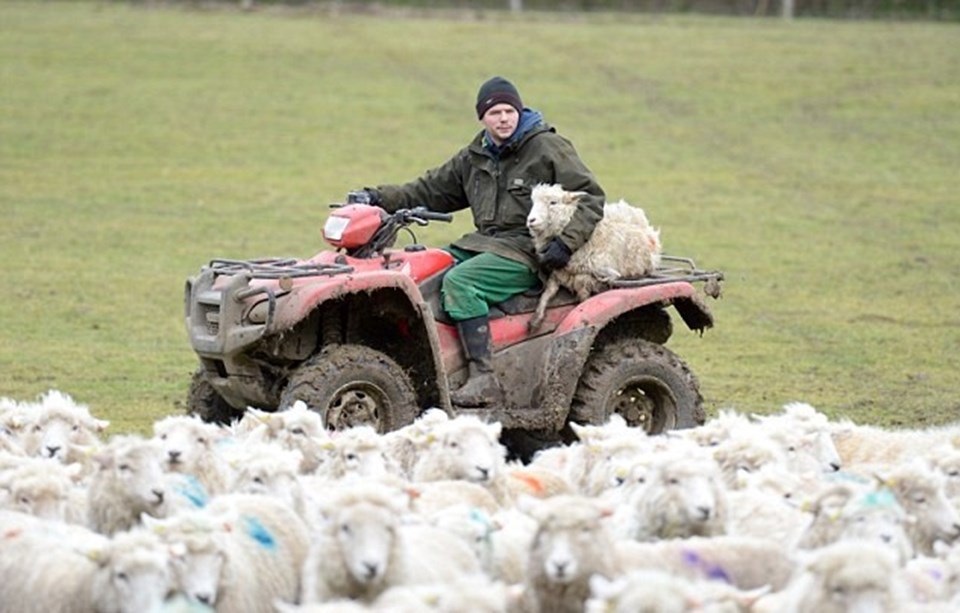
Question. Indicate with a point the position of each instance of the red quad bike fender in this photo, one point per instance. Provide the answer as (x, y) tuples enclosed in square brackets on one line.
[(564, 344)]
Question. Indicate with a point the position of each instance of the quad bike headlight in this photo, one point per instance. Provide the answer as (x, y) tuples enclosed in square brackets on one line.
[(334, 227)]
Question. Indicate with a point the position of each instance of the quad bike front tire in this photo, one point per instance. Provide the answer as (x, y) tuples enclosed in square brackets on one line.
[(353, 385), (645, 383), (204, 402)]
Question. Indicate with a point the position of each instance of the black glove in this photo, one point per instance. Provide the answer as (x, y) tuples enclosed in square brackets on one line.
[(554, 255), (367, 195)]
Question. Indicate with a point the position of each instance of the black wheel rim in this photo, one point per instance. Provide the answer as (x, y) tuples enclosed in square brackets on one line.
[(356, 404), (645, 402)]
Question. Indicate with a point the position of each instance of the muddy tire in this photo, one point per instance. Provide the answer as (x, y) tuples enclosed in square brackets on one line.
[(204, 402), (353, 385), (646, 383)]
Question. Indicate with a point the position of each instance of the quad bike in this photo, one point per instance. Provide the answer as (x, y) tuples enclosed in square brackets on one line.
[(358, 333)]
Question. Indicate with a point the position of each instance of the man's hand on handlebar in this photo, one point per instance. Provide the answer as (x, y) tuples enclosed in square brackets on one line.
[(367, 195)]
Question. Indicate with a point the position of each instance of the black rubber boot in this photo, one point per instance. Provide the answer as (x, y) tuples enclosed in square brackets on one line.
[(482, 387)]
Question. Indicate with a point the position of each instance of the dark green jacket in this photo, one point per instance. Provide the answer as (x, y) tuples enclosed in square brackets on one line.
[(497, 191)]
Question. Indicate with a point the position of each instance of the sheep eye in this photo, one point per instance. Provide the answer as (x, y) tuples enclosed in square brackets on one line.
[(202, 440), (673, 481), (163, 437), (121, 576), (352, 456), (258, 480), (75, 428), (124, 467), (453, 444), (38, 428), (920, 499), (298, 430), (24, 500), (345, 528)]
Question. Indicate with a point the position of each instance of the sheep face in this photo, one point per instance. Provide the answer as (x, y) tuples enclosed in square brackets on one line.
[(53, 435), (920, 491), (297, 425), (551, 209), (135, 468), (357, 453), (947, 462), (365, 535), (876, 518), (743, 455), (848, 576), (683, 497), (41, 495), (132, 575), (274, 475), (198, 568), (184, 440), (296, 429), (56, 424), (475, 453), (571, 543)]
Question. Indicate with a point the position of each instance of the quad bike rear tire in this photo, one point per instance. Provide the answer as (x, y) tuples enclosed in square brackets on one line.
[(646, 383), (353, 385), (204, 402)]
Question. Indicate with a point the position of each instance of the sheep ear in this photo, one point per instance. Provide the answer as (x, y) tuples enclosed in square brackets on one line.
[(579, 430)]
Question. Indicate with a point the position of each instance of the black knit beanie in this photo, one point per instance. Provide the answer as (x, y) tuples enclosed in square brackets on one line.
[(496, 91)]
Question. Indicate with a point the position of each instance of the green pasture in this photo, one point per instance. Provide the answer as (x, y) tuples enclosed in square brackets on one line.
[(816, 163)]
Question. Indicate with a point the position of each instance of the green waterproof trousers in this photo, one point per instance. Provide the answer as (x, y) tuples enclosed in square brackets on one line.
[(481, 279)]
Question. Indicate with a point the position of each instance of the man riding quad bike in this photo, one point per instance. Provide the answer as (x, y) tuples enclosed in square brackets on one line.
[(358, 333), (369, 334)]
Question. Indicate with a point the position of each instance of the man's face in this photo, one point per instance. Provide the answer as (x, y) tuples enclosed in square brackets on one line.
[(500, 120)]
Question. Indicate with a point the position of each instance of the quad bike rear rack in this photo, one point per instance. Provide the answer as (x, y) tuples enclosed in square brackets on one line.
[(674, 268)]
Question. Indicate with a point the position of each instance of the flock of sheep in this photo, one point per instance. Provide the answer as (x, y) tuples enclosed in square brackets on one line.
[(781, 513)]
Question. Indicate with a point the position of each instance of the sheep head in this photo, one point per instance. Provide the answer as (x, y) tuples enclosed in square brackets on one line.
[(551, 209)]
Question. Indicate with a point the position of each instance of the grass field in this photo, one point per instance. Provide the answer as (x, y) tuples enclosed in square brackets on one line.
[(816, 163)]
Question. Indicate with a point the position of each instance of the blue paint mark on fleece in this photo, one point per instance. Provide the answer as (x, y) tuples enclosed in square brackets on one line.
[(191, 489), (258, 532), (709, 570)]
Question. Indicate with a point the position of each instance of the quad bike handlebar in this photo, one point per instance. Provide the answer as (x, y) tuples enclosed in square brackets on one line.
[(390, 224)]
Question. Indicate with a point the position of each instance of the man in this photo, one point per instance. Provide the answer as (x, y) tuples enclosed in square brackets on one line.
[(494, 175)]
